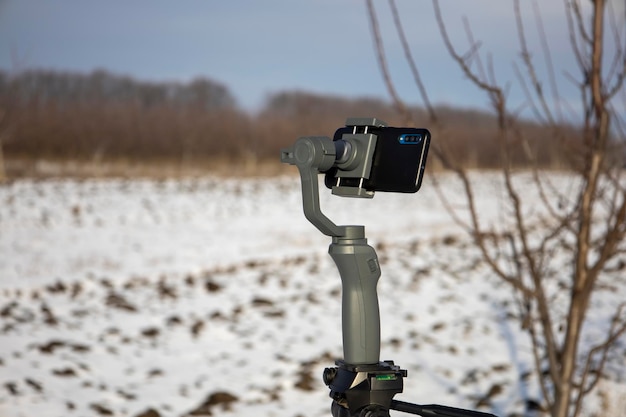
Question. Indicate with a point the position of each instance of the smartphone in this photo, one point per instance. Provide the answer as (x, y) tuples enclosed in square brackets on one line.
[(398, 161)]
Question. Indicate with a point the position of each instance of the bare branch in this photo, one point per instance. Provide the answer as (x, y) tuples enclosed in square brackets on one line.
[(411, 62), (527, 59), (618, 328), (578, 51), (491, 90), (448, 205), (537, 355), (582, 31), (618, 66), (382, 62), (473, 54), (548, 60), (527, 94), (615, 233), (538, 287)]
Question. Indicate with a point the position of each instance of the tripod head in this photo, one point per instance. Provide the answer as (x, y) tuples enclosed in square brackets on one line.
[(363, 157)]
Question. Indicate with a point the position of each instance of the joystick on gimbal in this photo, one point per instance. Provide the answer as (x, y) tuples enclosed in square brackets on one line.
[(364, 157)]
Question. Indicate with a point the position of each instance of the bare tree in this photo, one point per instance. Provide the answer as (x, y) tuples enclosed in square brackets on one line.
[(587, 225)]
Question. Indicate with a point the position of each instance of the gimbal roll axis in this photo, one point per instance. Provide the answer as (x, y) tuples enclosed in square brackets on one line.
[(360, 384)]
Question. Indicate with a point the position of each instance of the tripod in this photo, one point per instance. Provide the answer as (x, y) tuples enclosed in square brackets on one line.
[(360, 385)]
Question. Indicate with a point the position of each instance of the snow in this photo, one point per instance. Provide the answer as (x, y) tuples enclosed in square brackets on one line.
[(120, 296)]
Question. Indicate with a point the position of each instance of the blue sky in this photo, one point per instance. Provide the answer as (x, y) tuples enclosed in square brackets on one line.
[(259, 47)]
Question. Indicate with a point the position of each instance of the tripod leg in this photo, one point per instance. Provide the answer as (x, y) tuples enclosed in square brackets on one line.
[(374, 411), (369, 411), (338, 411), (435, 410)]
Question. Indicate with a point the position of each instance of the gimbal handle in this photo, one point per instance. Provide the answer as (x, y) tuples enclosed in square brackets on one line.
[(360, 318)]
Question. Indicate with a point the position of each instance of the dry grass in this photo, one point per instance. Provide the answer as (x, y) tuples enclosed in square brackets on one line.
[(153, 169)]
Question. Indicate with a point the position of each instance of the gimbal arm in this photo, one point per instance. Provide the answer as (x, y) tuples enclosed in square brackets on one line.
[(312, 155)]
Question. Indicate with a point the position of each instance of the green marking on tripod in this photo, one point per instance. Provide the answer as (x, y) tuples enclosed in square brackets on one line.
[(386, 377)]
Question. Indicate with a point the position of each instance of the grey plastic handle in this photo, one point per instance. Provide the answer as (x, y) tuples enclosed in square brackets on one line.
[(359, 269)]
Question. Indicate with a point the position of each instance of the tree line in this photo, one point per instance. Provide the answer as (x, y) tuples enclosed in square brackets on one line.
[(104, 116)]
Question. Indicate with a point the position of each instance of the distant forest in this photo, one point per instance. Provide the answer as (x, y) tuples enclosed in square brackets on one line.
[(62, 116)]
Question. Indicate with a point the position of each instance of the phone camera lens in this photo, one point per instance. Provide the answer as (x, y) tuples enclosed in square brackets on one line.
[(410, 139)]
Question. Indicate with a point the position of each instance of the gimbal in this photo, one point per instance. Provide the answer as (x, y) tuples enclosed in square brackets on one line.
[(360, 385)]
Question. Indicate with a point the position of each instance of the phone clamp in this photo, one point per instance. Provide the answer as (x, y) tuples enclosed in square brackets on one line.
[(354, 156)]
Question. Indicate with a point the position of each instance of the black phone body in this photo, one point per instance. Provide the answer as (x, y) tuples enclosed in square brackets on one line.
[(398, 162)]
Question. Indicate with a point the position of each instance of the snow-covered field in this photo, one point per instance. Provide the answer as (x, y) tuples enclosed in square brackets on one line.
[(170, 298)]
